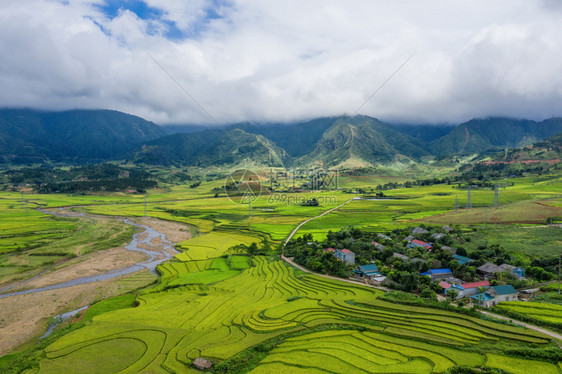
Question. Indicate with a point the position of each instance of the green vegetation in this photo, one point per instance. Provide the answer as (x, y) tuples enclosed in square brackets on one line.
[(255, 313)]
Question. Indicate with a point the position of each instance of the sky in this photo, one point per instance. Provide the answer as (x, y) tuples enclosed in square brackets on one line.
[(219, 61)]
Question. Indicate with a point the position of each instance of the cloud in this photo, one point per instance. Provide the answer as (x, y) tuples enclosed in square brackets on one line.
[(284, 60)]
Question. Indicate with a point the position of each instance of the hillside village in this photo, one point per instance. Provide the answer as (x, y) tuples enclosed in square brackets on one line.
[(430, 261)]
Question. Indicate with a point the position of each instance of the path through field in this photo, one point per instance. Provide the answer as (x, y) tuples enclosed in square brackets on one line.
[(532, 327)]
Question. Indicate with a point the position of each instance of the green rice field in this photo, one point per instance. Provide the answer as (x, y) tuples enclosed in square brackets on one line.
[(260, 315)]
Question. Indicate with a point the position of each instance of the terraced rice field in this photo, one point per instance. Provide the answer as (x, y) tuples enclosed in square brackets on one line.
[(216, 320), (541, 311)]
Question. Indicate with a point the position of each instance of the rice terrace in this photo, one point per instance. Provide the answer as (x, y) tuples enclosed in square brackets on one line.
[(274, 187)]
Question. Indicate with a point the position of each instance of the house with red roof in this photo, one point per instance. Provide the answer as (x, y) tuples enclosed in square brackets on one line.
[(346, 256), (419, 243), (469, 289), (331, 250)]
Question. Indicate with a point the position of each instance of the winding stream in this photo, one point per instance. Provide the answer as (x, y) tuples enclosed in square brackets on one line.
[(155, 258)]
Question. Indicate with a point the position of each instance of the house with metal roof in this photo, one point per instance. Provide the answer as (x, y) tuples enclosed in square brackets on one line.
[(378, 246), (461, 259), (346, 256), (367, 271), (489, 269), (419, 230), (495, 295), (419, 243), (400, 256), (438, 273), (468, 289), (385, 237)]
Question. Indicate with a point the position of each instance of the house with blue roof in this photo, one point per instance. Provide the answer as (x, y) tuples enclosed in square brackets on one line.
[(495, 295), (461, 259), (367, 271), (438, 273)]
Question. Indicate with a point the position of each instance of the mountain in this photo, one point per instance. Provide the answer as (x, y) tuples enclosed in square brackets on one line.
[(425, 133), (76, 136), (362, 141), (479, 135), (298, 139), (212, 147)]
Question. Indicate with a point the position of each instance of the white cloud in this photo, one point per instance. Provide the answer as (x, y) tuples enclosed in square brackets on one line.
[(286, 60)]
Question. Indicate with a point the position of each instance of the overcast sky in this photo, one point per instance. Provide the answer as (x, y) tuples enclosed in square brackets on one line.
[(284, 60)]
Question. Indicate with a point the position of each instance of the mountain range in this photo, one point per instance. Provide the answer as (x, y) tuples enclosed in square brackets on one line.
[(86, 136)]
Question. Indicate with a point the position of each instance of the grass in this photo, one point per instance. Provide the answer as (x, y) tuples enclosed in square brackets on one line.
[(521, 241)]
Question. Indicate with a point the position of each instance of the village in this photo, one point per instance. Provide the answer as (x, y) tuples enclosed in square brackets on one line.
[(429, 261)]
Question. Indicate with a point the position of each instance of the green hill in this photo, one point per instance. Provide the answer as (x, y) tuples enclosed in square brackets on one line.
[(362, 141), (479, 135), (212, 147), (75, 136)]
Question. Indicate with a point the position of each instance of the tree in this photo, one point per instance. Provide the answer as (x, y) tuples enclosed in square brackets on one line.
[(452, 293), (429, 294)]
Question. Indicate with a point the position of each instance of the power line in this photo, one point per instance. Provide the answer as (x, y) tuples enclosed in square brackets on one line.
[(383, 84)]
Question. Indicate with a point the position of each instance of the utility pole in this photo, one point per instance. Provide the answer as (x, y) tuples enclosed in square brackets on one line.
[(145, 205), (468, 201), (249, 206), (559, 259), (457, 203), (22, 201), (496, 196)]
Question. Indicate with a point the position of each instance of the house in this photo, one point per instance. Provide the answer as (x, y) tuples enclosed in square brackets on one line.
[(488, 269), (445, 286), (418, 243), (468, 289), (346, 256), (419, 230), (461, 259), (517, 272), (450, 249), (331, 250), (409, 238), (367, 271), (495, 295), (416, 259), (437, 236), (385, 237), (400, 256), (447, 228), (202, 364), (438, 273), (378, 246)]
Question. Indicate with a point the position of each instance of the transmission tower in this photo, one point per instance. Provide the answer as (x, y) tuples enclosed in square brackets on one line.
[(468, 201), (496, 197)]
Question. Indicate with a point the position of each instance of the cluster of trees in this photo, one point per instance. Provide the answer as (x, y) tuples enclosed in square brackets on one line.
[(99, 177), (114, 185)]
